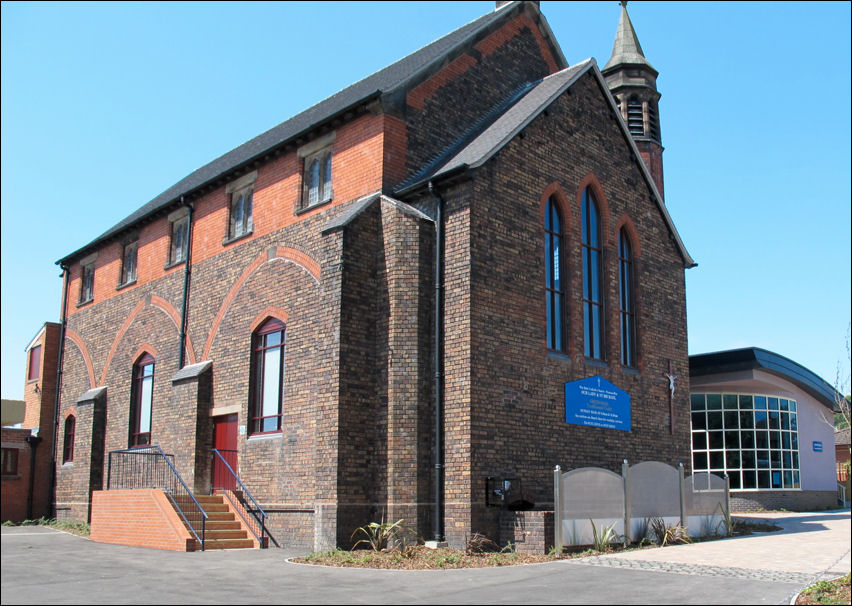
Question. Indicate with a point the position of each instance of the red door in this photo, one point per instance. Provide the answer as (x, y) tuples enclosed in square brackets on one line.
[(225, 442)]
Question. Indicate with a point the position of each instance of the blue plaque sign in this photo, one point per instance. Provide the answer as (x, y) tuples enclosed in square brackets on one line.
[(595, 402), (817, 446)]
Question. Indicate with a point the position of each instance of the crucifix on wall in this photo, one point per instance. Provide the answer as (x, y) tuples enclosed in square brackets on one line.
[(671, 377)]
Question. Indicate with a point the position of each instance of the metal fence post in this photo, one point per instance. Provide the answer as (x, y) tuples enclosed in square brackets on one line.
[(625, 470), (727, 494), (682, 488), (557, 509)]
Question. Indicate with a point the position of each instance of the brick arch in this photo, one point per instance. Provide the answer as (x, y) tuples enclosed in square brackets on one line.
[(269, 312), (591, 181), (126, 326), (292, 255), (144, 349), (555, 191), (68, 412), (78, 341), (624, 221), (167, 307)]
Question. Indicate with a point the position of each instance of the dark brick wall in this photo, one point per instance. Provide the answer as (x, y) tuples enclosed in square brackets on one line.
[(505, 391), (527, 531), (443, 108), (791, 500)]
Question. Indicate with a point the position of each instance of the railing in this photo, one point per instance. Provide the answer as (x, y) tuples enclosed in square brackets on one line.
[(228, 481), (150, 467)]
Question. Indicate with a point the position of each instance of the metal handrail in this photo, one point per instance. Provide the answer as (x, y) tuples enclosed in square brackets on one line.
[(152, 477), (257, 513)]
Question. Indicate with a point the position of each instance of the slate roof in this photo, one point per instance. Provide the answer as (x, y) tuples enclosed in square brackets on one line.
[(755, 358), (383, 82), (478, 147)]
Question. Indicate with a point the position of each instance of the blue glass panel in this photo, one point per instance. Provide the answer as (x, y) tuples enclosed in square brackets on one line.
[(776, 480), (732, 440), (716, 439), (548, 261), (746, 402), (761, 420), (730, 402), (773, 403), (557, 278), (760, 402), (696, 401), (732, 419), (714, 401)]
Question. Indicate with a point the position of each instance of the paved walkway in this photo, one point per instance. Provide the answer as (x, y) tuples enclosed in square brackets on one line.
[(43, 566), (810, 545)]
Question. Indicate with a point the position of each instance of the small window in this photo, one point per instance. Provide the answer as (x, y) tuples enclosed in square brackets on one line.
[(241, 221), (553, 281), (129, 256), (141, 403), (593, 313), (34, 370), (626, 305), (87, 283), (68, 443), (10, 461), (317, 179), (267, 368), (179, 240)]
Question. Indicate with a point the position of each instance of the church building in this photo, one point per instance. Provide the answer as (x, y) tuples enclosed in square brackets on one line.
[(375, 309)]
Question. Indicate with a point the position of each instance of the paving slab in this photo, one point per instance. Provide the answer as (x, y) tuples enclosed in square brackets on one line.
[(43, 566)]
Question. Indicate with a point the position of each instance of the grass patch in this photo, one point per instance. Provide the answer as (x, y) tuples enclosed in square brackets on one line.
[(836, 591), (81, 529)]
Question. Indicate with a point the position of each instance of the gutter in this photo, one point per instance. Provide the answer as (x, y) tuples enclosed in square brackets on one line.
[(187, 271), (438, 454), (57, 398)]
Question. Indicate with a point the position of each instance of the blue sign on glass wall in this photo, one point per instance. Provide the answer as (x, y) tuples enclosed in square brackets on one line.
[(595, 402)]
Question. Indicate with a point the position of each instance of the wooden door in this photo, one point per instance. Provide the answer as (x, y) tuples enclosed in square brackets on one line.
[(225, 442)]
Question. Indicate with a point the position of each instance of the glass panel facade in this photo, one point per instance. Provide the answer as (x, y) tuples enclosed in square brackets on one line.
[(752, 438)]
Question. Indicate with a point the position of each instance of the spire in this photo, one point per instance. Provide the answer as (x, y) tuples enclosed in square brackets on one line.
[(626, 48)]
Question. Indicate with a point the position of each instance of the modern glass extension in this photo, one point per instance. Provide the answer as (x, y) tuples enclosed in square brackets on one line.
[(753, 438)]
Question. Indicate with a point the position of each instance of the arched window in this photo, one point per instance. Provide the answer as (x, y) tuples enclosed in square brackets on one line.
[(625, 300), (554, 284), (635, 119), (592, 290), (68, 442), (142, 401), (267, 384)]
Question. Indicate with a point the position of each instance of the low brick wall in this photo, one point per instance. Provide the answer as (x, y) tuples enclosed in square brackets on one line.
[(528, 531), (141, 518), (791, 500)]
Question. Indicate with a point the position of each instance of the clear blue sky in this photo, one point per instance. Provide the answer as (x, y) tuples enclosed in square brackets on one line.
[(104, 106)]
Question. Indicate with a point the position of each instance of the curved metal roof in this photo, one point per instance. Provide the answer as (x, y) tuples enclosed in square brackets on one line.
[(755, 358)]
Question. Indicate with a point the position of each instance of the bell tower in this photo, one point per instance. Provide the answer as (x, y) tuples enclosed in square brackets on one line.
[(633, 83)]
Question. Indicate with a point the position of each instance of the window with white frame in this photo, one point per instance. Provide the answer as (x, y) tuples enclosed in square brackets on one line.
[(129, 256), (240, 194), (179, 235), (753, 438), (87, 281)]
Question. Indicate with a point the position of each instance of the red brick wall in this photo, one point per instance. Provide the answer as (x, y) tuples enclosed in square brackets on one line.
[(140, 518), (15, 488)]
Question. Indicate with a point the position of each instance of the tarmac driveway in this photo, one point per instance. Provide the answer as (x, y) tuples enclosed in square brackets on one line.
[(43, 566)]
